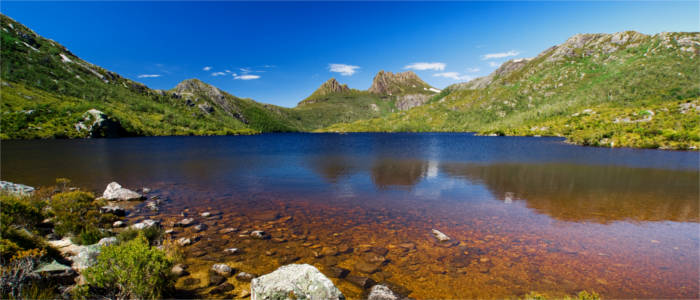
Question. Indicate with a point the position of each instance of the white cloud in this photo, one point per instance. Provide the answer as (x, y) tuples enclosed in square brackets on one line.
[(454, 76), (148, 76), (473, 70), (207, 68), (218, 74), (343, 69), (227, 71), (421, 66), (245, 70), (494, 64), (245, 77), (500, 55)]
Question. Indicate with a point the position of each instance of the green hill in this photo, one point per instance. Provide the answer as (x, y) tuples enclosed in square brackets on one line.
[(48, 92), (624, 89)]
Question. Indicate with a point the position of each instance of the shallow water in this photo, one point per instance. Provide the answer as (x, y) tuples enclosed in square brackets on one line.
[(524, 214)]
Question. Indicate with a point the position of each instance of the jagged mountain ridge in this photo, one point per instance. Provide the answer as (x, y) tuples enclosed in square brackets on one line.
[(621, 89)]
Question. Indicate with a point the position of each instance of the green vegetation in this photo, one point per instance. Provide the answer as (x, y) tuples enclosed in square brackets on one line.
[(642, 93), (129, 270)]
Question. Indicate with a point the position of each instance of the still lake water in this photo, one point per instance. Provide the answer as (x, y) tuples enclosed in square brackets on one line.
[(529, 214)]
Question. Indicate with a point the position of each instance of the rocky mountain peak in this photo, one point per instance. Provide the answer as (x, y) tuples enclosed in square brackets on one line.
[(329, 87), (196, 86), (388, 83), (332, 86)]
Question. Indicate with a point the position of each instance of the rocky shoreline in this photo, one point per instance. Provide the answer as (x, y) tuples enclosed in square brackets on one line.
[(197, 276)]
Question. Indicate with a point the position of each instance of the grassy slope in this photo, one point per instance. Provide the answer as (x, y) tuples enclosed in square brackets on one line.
[(652, 75), (341, 107)]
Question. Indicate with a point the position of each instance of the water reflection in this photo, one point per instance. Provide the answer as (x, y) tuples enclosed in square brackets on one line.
[(398, 173), (590, 193)]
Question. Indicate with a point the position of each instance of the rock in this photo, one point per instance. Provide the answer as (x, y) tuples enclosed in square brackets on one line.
[(108, 241), (337, 272), (113, 209), (228, 230), (232, 251), (244, 276), (380, 292), (184, 222), (222, 269), (114, 191), (56, 274), (367, 267), (86, 257), (216, 279), (15, 188), (184, 241), (440, 236), (146, 224), (379, 250), (301, 281), (145, 190), (361, 281), (100, 125), (244, 294), (206, 108), (205, 214), (179, 270), (199, 227), (152, 205), (222, 288), (259, 234), (191, 281), (406, 102)]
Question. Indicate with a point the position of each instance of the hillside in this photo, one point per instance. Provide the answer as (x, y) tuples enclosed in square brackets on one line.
[(48, 92), (618, 90)]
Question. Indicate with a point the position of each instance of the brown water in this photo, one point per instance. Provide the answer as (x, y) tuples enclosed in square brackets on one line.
[(525, 214)]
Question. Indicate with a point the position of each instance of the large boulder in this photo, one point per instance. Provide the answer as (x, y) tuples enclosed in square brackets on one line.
[(86, 257), (98, 124), (295, 281), (115, 191)]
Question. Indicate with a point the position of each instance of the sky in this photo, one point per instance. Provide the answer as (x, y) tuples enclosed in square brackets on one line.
[(280, 52)]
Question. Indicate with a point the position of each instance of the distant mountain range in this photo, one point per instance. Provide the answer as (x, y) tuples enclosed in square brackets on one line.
[(624, 89)]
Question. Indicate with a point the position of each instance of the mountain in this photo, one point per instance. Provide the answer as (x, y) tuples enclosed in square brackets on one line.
[(48, 92), (625, 89)]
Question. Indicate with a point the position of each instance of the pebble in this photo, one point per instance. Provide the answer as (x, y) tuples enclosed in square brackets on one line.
[(222, 269), (232, 251), (244, 276), (184, 241), (205, 214), (179, 270), (259, 234), (337, 272), (118, 224), (185, 222), (199, 227), (361, 281), (440, 236), (228, 230)]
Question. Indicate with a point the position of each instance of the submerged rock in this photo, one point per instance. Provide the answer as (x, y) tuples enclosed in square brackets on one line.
[(440, 236), (294, 281), (115, 191), (245, 276), (380, 292), (146, 224), (222, 269), (184, 222), (259, 234)]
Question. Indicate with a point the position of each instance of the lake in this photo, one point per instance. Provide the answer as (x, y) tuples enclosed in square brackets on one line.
[(524, 214)]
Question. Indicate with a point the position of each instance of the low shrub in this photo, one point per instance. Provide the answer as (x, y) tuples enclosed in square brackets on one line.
[(74, 212), (132, 269)]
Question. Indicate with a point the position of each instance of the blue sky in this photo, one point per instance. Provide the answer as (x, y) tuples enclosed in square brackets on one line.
[(280, 53)]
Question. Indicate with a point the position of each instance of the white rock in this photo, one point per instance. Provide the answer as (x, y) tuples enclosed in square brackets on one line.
[(107, 241), (222, 269), (145, 224), (301, 281), (114, 191), (184, 241), (380, 292), (440, 236)]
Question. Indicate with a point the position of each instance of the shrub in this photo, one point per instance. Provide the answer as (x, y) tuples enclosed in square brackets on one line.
[(88, 236), (75, 212), (132, 269), (154, 235), (16, 276)]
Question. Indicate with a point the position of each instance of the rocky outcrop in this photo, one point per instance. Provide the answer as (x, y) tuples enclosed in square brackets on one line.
[(115, 191), (300, 281), (406, 102), (15, 188), (388, 83), (97, 124), (327, 88)]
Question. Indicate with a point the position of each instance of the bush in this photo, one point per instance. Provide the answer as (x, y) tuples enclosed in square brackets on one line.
[(16, 276), (132, 269), (88, 236), (154, 235), (75, 212)]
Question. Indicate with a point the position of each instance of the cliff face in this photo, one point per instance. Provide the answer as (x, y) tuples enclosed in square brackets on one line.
[(388, 83), (326, 89)]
